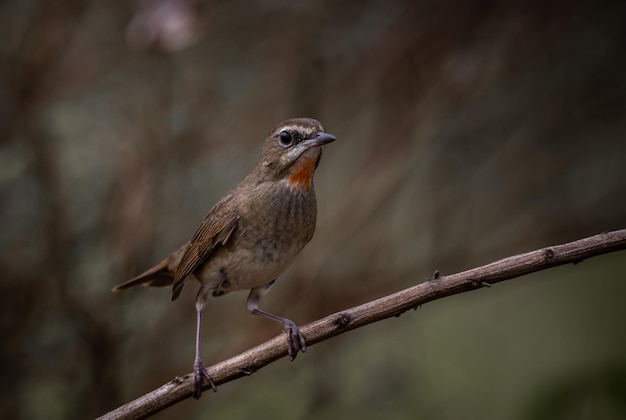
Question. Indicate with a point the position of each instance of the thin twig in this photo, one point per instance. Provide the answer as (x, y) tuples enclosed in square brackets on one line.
[(393, 305)]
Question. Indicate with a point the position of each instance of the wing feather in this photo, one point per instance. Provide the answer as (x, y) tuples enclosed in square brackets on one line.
[(214, 231)]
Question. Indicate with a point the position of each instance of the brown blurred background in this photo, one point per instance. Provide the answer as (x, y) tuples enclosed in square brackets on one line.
[(467, 132)]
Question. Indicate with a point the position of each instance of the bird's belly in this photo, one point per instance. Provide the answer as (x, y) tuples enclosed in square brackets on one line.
[(241, 269)]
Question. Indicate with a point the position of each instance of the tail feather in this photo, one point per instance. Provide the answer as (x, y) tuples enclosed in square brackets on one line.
[(158, 276)]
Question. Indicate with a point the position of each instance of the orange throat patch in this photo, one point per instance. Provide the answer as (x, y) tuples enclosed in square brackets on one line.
[(301, 175)]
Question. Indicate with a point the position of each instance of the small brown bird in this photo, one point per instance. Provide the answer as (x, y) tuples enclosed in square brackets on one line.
[(252, 234)]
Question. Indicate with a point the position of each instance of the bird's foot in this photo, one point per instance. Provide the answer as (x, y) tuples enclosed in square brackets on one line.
[(200, 372), (295, 339)]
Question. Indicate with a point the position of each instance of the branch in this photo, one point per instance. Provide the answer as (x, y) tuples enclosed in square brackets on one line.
[(393, 305)]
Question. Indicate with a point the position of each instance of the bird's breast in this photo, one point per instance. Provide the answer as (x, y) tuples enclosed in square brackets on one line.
[(275, 223)]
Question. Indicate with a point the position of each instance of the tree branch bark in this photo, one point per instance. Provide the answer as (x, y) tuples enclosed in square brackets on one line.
[(395, 304)]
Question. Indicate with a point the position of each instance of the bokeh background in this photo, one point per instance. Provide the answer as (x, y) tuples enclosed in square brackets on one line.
[(467, 132)]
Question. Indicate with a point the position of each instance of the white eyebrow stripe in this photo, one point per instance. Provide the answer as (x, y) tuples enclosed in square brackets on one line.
[(307, 131), (288, 128)]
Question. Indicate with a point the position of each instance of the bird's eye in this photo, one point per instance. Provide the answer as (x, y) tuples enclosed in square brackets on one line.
[(285, 138)]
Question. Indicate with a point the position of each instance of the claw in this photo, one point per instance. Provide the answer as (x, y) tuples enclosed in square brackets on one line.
[(200, 372), (295, 339)]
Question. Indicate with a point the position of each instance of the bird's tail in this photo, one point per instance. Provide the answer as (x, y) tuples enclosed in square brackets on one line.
[(158, 276)]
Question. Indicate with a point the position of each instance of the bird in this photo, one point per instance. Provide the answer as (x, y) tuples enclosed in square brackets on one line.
[(252, 234)]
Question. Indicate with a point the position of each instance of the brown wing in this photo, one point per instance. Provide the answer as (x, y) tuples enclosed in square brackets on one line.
[(215, 230)]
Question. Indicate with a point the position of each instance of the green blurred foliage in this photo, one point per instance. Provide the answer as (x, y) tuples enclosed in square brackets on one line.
[(467, 132)]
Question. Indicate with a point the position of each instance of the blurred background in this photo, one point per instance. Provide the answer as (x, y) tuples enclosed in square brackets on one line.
[(467, 132)]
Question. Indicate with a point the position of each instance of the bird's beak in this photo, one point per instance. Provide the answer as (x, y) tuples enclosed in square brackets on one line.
[(320, 139)]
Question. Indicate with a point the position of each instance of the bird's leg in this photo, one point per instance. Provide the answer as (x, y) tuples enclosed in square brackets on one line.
[(199, 370), (295, 339)]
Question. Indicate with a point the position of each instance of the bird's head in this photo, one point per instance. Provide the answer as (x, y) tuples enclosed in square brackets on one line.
[(293, 150)]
